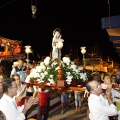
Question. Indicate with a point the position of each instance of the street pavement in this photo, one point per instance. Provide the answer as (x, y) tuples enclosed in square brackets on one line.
[(70, 113)]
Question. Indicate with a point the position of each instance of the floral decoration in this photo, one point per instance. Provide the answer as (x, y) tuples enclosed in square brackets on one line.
[(48, 71)]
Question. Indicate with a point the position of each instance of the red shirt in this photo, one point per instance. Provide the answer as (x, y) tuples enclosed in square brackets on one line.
[(43, 98)]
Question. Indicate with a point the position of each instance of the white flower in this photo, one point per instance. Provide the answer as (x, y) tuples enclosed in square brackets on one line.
[(54, 63), (48, 71), (47, 61), (73, 67), (83, 76), (66, 60), (41, 63), (69, 78)]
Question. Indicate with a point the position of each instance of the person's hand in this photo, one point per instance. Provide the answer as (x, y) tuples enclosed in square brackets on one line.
[(27, 85), (31, 101), (35, 94), (28, 104), (35, 101), (22, 91), (108, 92), (18, 99)]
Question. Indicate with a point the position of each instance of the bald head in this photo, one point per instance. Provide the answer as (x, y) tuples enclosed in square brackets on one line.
[(94, 87), (89, 85)]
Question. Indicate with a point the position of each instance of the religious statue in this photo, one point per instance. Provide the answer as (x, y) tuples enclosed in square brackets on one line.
[(56, 37)]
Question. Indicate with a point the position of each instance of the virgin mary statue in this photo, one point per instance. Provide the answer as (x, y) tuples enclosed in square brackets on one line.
[(56, 37)]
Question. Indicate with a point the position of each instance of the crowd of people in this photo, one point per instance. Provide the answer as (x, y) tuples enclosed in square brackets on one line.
[(102, 97), (20, 96), (17, 97)]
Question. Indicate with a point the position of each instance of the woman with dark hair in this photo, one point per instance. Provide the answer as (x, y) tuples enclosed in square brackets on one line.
[(97, 77)]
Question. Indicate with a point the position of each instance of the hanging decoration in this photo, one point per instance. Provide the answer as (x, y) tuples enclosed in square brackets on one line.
[(34, 8)]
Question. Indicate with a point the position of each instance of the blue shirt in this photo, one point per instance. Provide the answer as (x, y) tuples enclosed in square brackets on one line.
[(20, 71)]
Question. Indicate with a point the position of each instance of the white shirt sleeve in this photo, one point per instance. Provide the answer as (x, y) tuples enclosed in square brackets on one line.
[(11, 112), (13, 71), (115, 93), (13, 116)]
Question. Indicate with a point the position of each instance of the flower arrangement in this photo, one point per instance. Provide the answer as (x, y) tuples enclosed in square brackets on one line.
[(48, 71)]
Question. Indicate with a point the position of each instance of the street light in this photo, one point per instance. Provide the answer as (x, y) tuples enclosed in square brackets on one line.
[(83, 51), (28, 51)]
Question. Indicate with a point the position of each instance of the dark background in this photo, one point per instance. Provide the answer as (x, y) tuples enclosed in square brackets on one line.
[(79, 21)]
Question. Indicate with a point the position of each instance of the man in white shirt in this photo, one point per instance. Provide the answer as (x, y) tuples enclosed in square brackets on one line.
[(8, 104), (100, 108)]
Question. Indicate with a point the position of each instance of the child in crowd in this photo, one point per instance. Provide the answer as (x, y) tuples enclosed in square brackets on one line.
[(44, 103), (64, 101), (22, 89), (77, 100)]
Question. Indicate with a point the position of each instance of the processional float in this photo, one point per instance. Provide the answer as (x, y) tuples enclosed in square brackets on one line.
[(56, 73)]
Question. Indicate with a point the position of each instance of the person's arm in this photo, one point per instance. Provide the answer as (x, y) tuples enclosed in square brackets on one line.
[(31, 101), (17, 113), (23, 90), (13, 72), (103, 106), (30, 89), (109, 96), (35, 91)]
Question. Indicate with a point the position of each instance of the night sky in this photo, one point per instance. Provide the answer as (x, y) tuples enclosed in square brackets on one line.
[(79, 21)]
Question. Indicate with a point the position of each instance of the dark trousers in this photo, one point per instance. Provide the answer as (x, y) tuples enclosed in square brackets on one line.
[(42, 112), (118, 81), (48, 108)]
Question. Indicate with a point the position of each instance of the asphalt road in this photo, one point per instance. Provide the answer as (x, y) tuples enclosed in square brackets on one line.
[(70, 113)]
